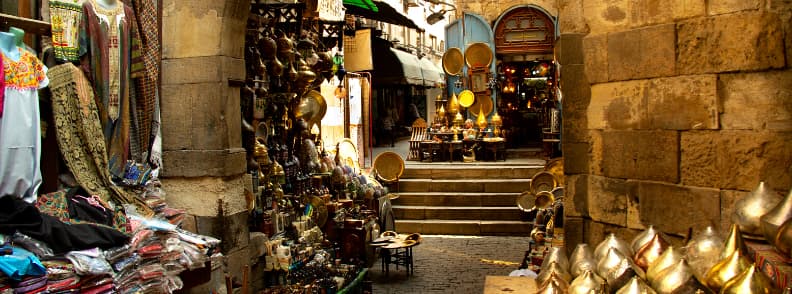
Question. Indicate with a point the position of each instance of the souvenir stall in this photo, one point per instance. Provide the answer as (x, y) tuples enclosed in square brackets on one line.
[(753, 258), (106, 228), (316, 206)]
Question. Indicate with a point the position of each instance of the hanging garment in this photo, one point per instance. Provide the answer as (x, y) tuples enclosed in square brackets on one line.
[(2, 86), (17, 215), (146, 98), (110, 58), (65, 17), (79, 133), (20, 130)]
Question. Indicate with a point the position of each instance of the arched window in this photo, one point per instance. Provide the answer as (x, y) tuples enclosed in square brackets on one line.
[(524, 30)]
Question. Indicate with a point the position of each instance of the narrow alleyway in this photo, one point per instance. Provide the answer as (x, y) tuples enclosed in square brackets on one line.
[(453, 264)]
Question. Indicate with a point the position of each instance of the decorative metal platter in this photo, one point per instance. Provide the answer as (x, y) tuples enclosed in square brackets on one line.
[(483, 103), (346, 153), (453, 61), (478, 55), (312, 107), (466, 98), (543, 182)]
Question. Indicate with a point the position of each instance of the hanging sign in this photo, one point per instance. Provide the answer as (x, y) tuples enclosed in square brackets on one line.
[(330, 10)]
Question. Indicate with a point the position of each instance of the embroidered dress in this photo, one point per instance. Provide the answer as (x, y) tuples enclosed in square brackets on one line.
[(20, 131), (110, 57), (65, 16)]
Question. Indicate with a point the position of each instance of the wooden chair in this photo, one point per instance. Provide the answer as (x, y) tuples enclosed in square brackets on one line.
[(418, 135)]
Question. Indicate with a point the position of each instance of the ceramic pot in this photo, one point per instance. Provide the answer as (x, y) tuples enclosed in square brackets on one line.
[(704, 251), (749, 210), (750, 281), (612, 241), (776, 217), (726, 269)]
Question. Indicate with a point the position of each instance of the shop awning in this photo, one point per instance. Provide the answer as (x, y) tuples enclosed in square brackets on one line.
[(363, 4), (383, 12), (396, 67), (432, 74)]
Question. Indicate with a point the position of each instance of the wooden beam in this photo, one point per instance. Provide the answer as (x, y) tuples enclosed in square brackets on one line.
[(31, 26)]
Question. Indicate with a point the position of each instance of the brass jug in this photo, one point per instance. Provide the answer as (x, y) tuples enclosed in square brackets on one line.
[(582, 259), (612, 241), (643, 238), (651, 251), (670, 257), (750, 281), (636, 286), (773, 220), (749, 210), (726, 269), (260, 152), (704, 251), (585, 283), (677, 279)]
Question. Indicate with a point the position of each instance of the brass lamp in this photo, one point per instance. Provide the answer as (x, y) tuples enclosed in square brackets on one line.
[(497, 122), (441, 115), (481, 121), (453, 105)]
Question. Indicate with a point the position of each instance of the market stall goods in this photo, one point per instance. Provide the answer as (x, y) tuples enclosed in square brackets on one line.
[(749, 210)]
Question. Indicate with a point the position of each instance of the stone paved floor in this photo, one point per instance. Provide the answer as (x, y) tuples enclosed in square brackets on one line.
[(453, 264)]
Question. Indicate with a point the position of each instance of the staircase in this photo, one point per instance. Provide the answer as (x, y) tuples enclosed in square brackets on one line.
[(464, 198)]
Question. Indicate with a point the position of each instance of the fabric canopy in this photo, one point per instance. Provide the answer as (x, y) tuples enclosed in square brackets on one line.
[(432, 74), (383, 12), (363, 4)]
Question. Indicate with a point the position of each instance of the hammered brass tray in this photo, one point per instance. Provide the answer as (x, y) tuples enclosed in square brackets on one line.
[(453, 61), (389, 166), (478, 55), (483, 103)]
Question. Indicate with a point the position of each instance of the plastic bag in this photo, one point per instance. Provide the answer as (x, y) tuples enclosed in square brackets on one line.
[(89, 262), (37, 247)]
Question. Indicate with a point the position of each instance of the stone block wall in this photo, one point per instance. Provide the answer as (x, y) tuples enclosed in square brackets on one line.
[(675, 111), (204, 162)]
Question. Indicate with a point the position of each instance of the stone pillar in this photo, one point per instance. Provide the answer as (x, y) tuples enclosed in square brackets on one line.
[(204, 162)]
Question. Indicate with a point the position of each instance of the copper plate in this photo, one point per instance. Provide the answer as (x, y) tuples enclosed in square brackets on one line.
[(478, 55), (483, 102), (452, 61), (466, 98), (543, 181)]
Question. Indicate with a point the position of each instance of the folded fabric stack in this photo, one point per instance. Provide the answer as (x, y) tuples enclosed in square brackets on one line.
[(154, 197)]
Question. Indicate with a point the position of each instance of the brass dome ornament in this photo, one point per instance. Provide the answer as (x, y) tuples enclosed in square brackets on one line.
[(734, 242), (453, 105), (581, 260), (617, 269), (651, 251), (750, 281), (670, 257), (677, 279), (643, 238), (636, 286), (727, 269), (783, 240), (558, 255), (553, 269), (612, 241), (588, 281), (553, 285), (776, 217), (704, 251), (749, 210)]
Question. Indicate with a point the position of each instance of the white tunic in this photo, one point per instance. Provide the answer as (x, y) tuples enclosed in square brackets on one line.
[(20, 129)]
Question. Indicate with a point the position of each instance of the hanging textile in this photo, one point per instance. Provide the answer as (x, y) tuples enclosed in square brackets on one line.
[(2, 86), (65, 17), (20, 131), (110, 57), (146, 99), (79, 133)]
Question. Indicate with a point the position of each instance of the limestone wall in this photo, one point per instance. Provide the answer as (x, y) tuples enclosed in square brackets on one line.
[(673, 110)]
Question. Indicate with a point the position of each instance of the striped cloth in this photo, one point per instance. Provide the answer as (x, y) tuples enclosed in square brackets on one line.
[(146, 99)]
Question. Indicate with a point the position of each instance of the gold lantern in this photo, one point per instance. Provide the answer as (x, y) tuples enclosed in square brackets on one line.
[(481, 121), (497, 122)]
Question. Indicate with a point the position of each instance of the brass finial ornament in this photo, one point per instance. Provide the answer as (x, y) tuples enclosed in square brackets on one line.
[(553, 285), (651, 251), (636, 286), (586, 282), (481, 120), (677, 279), (670, 257), (643, 238), (750, 281), (617, 269), (749, 210), (453, 105), (581, 260), (704, 251), (783, 240), (776, 217), (726, 269), (734, 242), (553, 268), (497, 122), (558, 255), (612, 241)]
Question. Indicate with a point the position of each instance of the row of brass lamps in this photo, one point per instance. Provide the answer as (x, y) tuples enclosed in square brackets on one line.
[(457, 122)]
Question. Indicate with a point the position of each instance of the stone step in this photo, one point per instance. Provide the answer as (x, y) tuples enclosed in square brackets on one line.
[(464, 227), (456, 199), (461, 170), (465, 185), (524, 153), (508, 213)]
